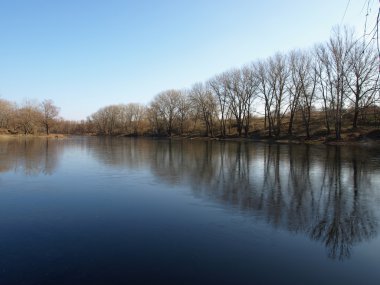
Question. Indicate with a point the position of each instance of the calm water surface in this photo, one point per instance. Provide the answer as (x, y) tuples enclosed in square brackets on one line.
[(139, 211)]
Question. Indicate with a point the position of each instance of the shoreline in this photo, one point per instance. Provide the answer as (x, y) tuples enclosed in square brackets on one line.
[(299, 141), (50, 136), (363, 141)]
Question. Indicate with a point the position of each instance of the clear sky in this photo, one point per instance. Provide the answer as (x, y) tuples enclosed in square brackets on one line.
[(86, 54)]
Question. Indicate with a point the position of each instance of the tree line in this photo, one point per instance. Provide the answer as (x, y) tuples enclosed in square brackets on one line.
[(329, 87), (332, 85)]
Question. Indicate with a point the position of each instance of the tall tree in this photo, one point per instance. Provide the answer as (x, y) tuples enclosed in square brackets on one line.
[(265, 93), (49, 114), (333, 67), (362, 77), (218, 86), (278, 76), (301, 88), (240, 88), (166, 105), (28, 117), (205, 105), (6, 113)]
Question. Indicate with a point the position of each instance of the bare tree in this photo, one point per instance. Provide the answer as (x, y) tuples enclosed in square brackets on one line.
[(154, 119), (301, 88), (265, 92), (7, 110), (183, 111), (28, 117), (278, 76), (361, 77), (49, 114), (333, 64), (107, 120), (138, 117), (324, 83), (130, 118), (166, 107), (294, 86), (240, 88), (309, 81), (250, 88), (205, 105), (218, 86)]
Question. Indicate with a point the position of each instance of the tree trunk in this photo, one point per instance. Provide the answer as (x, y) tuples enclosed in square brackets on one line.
[(356, 115)]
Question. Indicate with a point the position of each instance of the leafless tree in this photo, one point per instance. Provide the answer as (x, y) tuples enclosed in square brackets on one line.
[(278, 76), (323, 86), (7, 110), (301, 88), (166, 106), (294, 86), (106, 120), (333, 59), (28, 117), (250, 89), (239, 90), (131, 117), (265, 92), (205, 105), (154, 119), (183, 111), (219, 87), (49, 114), (362, 77)]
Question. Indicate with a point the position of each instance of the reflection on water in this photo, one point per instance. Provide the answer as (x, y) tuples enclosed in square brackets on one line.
[(32, 156), (325, 193)]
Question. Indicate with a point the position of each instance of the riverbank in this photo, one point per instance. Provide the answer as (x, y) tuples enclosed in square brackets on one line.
[(350, 137), (286, 141), (50, 136), (357, 137)]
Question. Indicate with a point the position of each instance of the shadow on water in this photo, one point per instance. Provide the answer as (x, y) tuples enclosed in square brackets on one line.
[(324, 192)]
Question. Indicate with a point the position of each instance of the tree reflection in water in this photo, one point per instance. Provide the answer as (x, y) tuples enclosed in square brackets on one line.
[(345, 215), (31, 156), (324, 192)]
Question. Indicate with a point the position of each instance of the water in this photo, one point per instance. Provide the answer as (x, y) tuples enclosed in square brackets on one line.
[(140, 211)]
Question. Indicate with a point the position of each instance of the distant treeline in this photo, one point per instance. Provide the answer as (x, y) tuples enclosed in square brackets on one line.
[(331, 86)]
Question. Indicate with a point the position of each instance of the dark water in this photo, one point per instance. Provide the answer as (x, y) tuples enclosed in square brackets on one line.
[(137, 211)]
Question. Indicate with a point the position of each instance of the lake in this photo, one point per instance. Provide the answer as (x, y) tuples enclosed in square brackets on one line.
[(89, 210)]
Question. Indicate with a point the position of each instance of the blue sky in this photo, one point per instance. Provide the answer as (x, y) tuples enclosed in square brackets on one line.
[(86, 54)]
